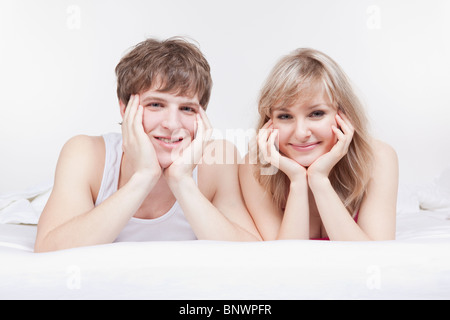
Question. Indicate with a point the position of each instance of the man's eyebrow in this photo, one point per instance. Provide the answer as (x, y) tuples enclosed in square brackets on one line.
[(159, 99), (191, 104), (152, 98)]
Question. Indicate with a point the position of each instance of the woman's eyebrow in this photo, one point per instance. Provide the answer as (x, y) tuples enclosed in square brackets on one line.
[(321, 104), (282, 109)]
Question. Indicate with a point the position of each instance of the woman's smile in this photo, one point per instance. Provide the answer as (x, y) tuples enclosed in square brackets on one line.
[(304, 147), (305, 131)]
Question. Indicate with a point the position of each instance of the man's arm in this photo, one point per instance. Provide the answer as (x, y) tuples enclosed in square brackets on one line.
[(69, 218), (215, 208)]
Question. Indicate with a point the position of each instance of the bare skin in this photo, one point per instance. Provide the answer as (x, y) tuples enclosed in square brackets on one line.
[(150, 181), (313, 208)]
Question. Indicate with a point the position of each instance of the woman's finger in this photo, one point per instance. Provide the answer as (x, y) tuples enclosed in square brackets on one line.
[(344, 123), (262, 143), (273, 150), (341, 146), (268, 124), (338, 132)]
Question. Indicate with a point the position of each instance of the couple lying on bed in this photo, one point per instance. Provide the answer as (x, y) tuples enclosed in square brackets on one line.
[(313, 171)]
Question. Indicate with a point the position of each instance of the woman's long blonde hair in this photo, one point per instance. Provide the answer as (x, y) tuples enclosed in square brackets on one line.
[(294, 76)]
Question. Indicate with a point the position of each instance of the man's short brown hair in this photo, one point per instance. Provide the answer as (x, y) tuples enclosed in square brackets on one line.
[(173, 65)]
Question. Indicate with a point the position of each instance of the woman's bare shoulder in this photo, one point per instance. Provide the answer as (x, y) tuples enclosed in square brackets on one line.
[(383, 152), (385, 160), (382, 146)]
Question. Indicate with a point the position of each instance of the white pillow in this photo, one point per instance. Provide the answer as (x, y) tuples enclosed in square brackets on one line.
[(436, 197), (407, 199)]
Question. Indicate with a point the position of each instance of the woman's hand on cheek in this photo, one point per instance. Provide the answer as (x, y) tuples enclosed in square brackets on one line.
[(267, 139), (322, 166), (136, 144), (186, 159)]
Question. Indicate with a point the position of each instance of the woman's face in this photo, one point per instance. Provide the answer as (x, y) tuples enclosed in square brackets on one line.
[(305, 128), (169, 121)]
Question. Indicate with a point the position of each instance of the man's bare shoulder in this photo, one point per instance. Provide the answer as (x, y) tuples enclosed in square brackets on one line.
[(219, 152), (218, 166), (80, 143), (84, 155)]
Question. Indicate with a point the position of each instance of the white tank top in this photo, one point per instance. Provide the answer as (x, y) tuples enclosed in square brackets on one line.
[(170, 226)]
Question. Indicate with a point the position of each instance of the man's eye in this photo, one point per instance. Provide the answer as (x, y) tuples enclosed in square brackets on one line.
[(188, 109), (153, 105)]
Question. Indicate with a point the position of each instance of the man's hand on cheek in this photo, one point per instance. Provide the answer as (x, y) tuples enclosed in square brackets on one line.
[(136, 144), (191, 151)]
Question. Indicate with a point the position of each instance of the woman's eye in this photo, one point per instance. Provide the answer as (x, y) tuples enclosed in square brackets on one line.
[(284, 116), (154, 105), (317, 114)]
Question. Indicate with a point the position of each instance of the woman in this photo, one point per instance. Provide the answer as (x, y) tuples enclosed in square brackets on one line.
[(332, 181)]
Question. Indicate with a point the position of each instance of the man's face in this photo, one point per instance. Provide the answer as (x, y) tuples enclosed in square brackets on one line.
[(169, 121)]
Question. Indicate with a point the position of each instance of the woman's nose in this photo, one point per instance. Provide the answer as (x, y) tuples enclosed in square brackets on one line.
[(302, 130)]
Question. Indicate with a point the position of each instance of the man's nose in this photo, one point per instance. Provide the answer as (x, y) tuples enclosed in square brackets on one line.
[(171, 120)]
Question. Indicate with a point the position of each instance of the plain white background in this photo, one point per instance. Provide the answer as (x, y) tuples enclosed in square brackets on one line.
[(57, 60)]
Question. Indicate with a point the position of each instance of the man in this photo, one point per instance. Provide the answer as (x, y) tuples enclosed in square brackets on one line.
[(149, 182)]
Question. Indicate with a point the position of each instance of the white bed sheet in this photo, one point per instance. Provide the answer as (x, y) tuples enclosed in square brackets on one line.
[(416, 266)]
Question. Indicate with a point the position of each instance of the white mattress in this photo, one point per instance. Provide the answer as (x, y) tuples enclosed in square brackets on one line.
[(416, 266)]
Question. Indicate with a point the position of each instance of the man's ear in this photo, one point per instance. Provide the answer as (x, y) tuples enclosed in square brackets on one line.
[(122, 108)]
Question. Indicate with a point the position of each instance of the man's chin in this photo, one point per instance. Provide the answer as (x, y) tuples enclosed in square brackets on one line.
[(166, 158), (165, 163)]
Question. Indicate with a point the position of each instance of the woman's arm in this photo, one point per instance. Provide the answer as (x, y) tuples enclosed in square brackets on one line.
[(377, 214), (336, 219), (295, 224), (265, 214), (376, 217), (271, 221)]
